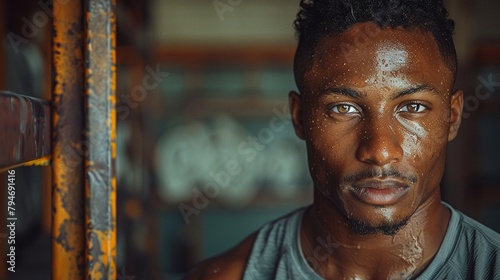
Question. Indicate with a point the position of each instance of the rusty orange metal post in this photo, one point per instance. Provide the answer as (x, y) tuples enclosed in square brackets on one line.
[(68, 193), (84, 182), (100, 183), (84, 195), (83, 146)]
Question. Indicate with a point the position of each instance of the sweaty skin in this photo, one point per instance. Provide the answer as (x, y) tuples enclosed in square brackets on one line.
[(376, 125), (376, 121)]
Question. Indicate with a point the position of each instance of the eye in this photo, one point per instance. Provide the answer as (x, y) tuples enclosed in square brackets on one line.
[(344, 109), (413, 108)]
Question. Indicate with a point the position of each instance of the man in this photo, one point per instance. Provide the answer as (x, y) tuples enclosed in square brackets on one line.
[(376, 110)]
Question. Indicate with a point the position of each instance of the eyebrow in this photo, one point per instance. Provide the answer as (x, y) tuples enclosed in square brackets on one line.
[(423, 87), (358, 95), (343, 91)]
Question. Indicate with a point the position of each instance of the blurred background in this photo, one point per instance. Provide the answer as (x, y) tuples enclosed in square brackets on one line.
[(206, 152)]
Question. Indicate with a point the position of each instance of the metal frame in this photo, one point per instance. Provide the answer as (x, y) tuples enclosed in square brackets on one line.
[(100, 181), (25, 133), (83, 138)]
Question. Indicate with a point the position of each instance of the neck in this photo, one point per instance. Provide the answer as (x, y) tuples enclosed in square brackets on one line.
[(334, 251)]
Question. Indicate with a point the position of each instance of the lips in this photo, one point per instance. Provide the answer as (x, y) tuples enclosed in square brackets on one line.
[(379, 192)]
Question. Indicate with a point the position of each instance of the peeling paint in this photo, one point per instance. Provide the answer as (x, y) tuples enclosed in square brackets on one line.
[(100, 174), (68, 228)]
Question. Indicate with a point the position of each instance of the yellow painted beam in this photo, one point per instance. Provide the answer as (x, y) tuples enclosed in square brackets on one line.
[(68, 216)]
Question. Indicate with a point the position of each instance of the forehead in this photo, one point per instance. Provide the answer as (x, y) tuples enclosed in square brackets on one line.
[(366, 55)]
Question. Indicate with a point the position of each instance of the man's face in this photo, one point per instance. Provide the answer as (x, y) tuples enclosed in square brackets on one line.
[(376, 115)]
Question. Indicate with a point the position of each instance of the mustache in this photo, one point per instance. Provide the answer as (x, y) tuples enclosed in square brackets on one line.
[(374, 173)]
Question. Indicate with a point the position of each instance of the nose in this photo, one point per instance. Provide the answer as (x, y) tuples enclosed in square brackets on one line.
[(379, 144)]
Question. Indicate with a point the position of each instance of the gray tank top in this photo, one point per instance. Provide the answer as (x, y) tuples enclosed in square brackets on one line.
[(276, 253), (469, 251)]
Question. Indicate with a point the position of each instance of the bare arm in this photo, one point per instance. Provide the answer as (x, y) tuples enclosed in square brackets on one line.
[(228, 266)]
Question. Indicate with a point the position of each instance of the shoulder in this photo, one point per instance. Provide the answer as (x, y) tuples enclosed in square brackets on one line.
[(469, 250), (480, 234), (477, 253), (266, 242), (229, 265)]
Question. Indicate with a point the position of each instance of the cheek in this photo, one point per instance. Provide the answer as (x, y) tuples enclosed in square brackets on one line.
[(327, 151), (414, 137), (421, 153), (330, 142), (424, 147), (318, 133), (323, 149), (424, 142), (411, 145)]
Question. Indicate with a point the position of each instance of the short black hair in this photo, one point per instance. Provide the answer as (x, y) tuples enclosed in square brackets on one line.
[(319, 18)]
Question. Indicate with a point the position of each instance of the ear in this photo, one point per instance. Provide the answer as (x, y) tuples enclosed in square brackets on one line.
[(456, 106), (295, 102)]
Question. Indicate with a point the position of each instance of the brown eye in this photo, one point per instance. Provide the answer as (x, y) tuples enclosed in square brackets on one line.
[(414, 108), (344, 109)]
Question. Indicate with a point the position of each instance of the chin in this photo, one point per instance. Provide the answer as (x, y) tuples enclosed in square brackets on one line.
[(367, 220), (363, 227)]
